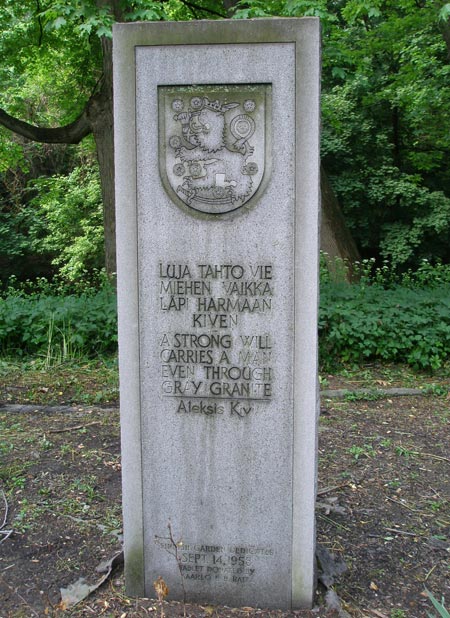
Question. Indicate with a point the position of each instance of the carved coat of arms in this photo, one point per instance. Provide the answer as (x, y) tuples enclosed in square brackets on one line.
[(213, 144)]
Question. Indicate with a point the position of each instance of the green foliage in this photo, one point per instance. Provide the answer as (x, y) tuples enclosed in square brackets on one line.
[(257, 8), (366, 450), (11, 153), (442, 612), (425, 233), (87, 17), (24, 225), (49, 79), (287, 8), (359, 323), (14, 240), (386, 275), (58, 328), (366, 321), (397, 613), (70, 208), (438, 390), (47, 75), (52, 225), (365, 395), (383, 141)]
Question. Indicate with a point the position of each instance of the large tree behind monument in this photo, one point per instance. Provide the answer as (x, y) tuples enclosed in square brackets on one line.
[(384, 146), (48, 26), (84, 28)]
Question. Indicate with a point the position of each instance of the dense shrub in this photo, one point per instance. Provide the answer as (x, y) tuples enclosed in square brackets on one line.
[(368, 272), (70, 207), (59, 327), (404, 325), (51, 218)]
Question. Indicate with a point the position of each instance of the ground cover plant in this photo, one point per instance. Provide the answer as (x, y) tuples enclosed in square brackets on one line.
[(383, 504), (384, 314), (397, 325), (58, 326)]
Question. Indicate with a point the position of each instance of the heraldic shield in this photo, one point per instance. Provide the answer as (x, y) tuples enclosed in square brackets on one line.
[(213, 144)]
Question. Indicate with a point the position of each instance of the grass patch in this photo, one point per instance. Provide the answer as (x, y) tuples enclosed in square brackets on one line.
[(89, 382)]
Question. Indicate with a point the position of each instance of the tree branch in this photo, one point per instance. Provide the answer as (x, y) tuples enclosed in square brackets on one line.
[(193, 5), (229, 6), (69, 134), (39, 20)]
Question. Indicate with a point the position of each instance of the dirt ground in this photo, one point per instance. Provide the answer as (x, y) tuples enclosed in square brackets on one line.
[(383, 505)]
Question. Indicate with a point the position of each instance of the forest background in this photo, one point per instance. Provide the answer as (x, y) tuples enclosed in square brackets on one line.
[(385, 148)]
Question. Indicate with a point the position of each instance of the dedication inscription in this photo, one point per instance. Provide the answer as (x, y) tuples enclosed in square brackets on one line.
[(217, 176), (215, 563), (216, 336)]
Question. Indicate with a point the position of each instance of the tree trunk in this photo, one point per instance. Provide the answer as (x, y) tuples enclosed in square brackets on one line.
[(229, 6), (101, 118), (445, 29), (102, 128), (335, 238)]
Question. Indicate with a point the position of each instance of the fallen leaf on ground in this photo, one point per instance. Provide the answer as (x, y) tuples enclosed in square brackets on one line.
[(79, 590)]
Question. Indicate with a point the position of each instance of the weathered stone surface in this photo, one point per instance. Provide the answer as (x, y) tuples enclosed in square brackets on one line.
[(217, 193)]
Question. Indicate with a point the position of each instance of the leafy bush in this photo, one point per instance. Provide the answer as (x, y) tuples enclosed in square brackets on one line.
[(71, 208), (383, 146), (51, 224), (374, 319), (387, 275), (89, 284), (358, 323), (59, 327)]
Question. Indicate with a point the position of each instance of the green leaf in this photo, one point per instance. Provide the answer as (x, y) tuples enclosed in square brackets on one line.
[(339, 72), (442, 612), (104, 31), (59, 22), (444, 13)]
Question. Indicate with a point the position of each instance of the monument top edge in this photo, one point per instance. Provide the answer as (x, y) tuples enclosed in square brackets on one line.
[(197, 22), (260, 28)]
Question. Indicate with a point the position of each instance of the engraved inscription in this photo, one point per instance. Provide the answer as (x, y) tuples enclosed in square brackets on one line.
[(212, 144), (236, 564), (209, 363)]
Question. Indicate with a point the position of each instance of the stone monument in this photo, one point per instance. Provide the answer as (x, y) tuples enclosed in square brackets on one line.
[(217, 185)]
